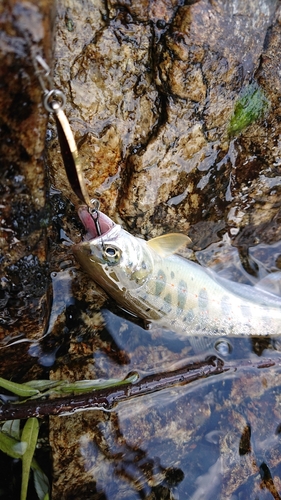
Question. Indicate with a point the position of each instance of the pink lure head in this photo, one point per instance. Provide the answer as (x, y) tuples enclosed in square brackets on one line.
[(88, 222)]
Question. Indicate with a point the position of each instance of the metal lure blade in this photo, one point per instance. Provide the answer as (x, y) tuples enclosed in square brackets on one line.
[(70, 156)]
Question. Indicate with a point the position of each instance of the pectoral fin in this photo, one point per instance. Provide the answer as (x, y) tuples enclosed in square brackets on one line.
[(168, 243)]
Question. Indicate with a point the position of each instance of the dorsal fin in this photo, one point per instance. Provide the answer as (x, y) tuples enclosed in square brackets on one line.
[(167, 244)]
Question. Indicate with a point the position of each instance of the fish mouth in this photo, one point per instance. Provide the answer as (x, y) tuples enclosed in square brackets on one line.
[(105, 224)]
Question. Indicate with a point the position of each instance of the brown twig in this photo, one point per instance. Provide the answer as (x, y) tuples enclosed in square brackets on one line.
[(106, 399)]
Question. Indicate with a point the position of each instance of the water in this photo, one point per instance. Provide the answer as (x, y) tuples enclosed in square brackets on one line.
[(211, 439), (216, 438)]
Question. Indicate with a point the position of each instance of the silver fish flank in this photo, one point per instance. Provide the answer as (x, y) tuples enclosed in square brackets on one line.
[(148, 280)]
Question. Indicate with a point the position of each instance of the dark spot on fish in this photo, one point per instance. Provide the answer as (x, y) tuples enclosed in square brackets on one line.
[(189, 317), (173, 476), (143, 265), (260, 344), (245, 311), (166, 307), (278, 429), (265, 473), (160, 282), (226, 306), (172, 275), (182, 294), (267, 481), (168, 298), (203, 299), (161, 24), (200, 328)]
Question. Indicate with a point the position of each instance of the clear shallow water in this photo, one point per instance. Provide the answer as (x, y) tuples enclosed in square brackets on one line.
[(215, 438), (188, 445)]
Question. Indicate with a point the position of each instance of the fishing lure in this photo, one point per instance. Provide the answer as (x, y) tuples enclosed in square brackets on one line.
[(54, 102)]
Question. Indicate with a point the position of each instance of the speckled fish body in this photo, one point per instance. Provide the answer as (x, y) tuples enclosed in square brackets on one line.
[(171, 291)]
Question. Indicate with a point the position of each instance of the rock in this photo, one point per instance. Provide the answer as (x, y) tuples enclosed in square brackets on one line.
[(151, 98), (25, 27)]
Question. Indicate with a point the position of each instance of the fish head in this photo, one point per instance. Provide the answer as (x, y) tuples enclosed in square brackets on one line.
[(116, 260)]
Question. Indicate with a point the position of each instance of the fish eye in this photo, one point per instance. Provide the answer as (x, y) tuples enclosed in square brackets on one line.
[(111, 254)]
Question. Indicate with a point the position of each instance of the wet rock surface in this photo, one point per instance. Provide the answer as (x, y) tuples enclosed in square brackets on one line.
[(153, 127), (24, 217)]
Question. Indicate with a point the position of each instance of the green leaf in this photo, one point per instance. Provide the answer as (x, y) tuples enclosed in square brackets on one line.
[(41, 483), (19, 389), (12, 427), (20, 448), (87, 385), (92, 385), (42, 385), (29, 435), (8, 445)]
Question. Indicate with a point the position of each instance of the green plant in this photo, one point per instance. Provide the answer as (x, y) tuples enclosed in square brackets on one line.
[(20, 444), (249, 107)]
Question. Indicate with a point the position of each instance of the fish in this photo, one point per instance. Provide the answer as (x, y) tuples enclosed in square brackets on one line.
[(149, 280)]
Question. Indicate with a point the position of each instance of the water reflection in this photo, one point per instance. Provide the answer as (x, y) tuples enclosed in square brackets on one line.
[(129, 466)]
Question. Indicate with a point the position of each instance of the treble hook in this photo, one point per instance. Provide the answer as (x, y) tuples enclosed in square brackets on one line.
[(94, 212)]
